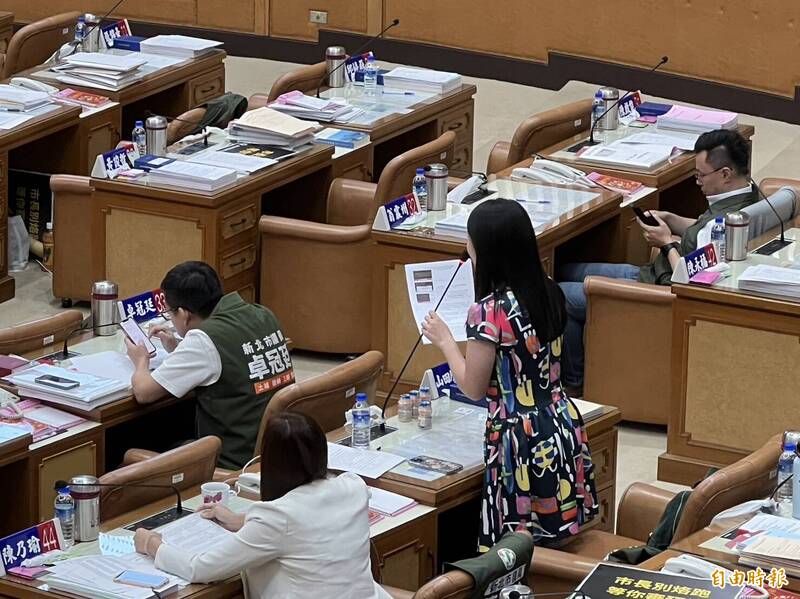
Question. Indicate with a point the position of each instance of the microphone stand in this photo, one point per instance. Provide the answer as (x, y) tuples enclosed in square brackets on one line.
[(775, 245), (591, 141), (464, 257), (357, 52)]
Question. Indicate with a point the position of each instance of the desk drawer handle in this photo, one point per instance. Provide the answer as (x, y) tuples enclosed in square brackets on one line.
[(210, 88), (454, 126), (239, 262), (239, 223)]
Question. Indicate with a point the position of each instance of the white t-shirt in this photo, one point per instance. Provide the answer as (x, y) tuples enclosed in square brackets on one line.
[(194, 363)]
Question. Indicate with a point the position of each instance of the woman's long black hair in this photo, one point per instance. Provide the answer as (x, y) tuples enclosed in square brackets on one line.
[(507, 256)]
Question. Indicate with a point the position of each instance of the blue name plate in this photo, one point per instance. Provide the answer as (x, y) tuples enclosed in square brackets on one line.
[(143, 307)]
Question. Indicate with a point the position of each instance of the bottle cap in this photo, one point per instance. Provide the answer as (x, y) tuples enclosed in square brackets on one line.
[(81, 19), (420, 171), (424, 389), (719, 219), (789, 446), (361, 397), (139, 124), (371, 58), (64, 489), (425, 402), (49, 226)]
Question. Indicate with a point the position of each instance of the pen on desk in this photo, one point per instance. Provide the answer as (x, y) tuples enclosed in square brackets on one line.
[(397, 93)]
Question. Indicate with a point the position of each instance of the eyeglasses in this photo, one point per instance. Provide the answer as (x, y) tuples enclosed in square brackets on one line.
[(167, 314), (698, 175)]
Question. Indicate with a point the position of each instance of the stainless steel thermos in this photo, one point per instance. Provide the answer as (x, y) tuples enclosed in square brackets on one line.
[(105, 314), (436, 178), (737, 234), (87, 507), (155, 128), (334, 58), (91, 43), (611, 120)]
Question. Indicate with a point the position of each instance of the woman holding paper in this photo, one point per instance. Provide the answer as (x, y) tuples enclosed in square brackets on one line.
[(539, 472), (307, 537)]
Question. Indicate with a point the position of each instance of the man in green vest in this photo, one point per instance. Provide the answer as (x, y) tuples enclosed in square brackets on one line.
[(722, 170), (231, 353)]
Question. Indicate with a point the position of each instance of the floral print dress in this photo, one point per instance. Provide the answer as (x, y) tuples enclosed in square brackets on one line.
[(539, 472)]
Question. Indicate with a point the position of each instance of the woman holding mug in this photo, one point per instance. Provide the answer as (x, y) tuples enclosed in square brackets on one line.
[(307, 537), (539, 472)]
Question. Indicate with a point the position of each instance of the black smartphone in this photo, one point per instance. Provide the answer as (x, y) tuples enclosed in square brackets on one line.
[(645, 217), (57, 382)]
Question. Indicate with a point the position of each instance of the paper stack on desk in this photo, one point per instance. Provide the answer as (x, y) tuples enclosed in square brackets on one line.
[(100, 70), (197, 177), (775, 543), (298, 104), (695, 120), (92, 392), (423, 80), (181, 46), (18, 98), (270, 127), (774, 280)]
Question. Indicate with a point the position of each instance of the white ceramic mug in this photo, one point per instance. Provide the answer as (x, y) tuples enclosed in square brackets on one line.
[(216, 493)]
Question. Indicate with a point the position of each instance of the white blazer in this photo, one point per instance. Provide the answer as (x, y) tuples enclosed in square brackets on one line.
[(312, 542)]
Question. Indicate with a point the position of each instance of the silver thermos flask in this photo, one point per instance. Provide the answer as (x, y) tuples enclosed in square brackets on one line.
[(611, 120), (436, 178), (155, 128), (334, 59), (92, 41), (737, 234), (105, 314), (517, 591), (87, 507)]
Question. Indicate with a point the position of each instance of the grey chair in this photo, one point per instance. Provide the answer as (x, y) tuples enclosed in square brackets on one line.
[(763, 218)]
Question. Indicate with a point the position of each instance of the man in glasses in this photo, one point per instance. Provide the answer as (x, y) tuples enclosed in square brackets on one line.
[(231, 353), (722, 169)]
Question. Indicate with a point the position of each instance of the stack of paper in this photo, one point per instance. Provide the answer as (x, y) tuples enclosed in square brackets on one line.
[(773, 542), (91, 392), (635, 157), (364, 462), (270, 127), (40, 420), (84, 99), (424, 80), (302, 106), (342, 138), (18, 98), (100, 70), (388, 503), (696, 120), (774, 280), (178, 45), (197, 177), (241, 163)]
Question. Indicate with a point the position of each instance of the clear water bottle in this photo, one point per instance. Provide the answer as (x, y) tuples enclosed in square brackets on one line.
[(796, 488), (414, 403), (425, 395), (80, 34), (404, 408), (139, 138), (419, 187), (371, 76), (598, 107), (718, 238), (425, 418), (361, 422), (785, 469), (65, 512)]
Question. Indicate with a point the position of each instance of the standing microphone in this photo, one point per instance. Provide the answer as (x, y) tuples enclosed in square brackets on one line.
[(463, 258), (591, 141), (357, 52), (776, 244)]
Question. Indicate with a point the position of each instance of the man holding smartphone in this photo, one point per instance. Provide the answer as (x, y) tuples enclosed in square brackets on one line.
[(232, 354), (722, 170)]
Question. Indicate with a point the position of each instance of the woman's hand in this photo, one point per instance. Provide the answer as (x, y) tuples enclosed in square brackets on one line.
[(147, 541), (436, 331), (226, 518), (165, 335)]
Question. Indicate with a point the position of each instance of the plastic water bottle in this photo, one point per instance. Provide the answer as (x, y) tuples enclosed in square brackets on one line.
[(80, 34), (425, 419), (419, 187), (404, 408), (796, 488), (718, 238), (139, 138), (65, 512), (361, 422), (785, 469), (371, 77), (414, 403), (598, 107), (425, 395)]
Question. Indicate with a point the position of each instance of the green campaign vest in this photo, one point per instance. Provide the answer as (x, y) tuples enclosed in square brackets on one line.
[(255, 364), (659, 271)]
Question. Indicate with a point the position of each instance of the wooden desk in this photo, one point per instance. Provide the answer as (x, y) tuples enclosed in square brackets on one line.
[(734, 371), (163, 227), (30, 147), (456, 496), (587, 233), (691, 545)]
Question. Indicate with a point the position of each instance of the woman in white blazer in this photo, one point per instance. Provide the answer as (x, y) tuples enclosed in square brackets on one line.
[(307, 537)]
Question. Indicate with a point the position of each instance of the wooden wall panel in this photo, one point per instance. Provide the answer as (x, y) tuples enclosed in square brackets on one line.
[(289, 18)]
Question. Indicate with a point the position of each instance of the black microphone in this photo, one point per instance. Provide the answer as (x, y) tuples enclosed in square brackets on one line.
[(357, 52), (462, 259), (775, 245), (60, 484), (65, 352), (591, 141)]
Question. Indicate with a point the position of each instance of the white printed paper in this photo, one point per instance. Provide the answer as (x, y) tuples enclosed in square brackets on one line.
[(364, 462), (427, 281), (193, 534)]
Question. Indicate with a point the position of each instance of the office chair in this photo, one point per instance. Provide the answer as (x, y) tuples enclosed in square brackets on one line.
[(540, 131), (305, 79), (334, 313), (36, 334), (37, 41)]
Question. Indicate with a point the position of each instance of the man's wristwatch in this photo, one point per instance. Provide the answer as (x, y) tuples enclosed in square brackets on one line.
[(666, 248)]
